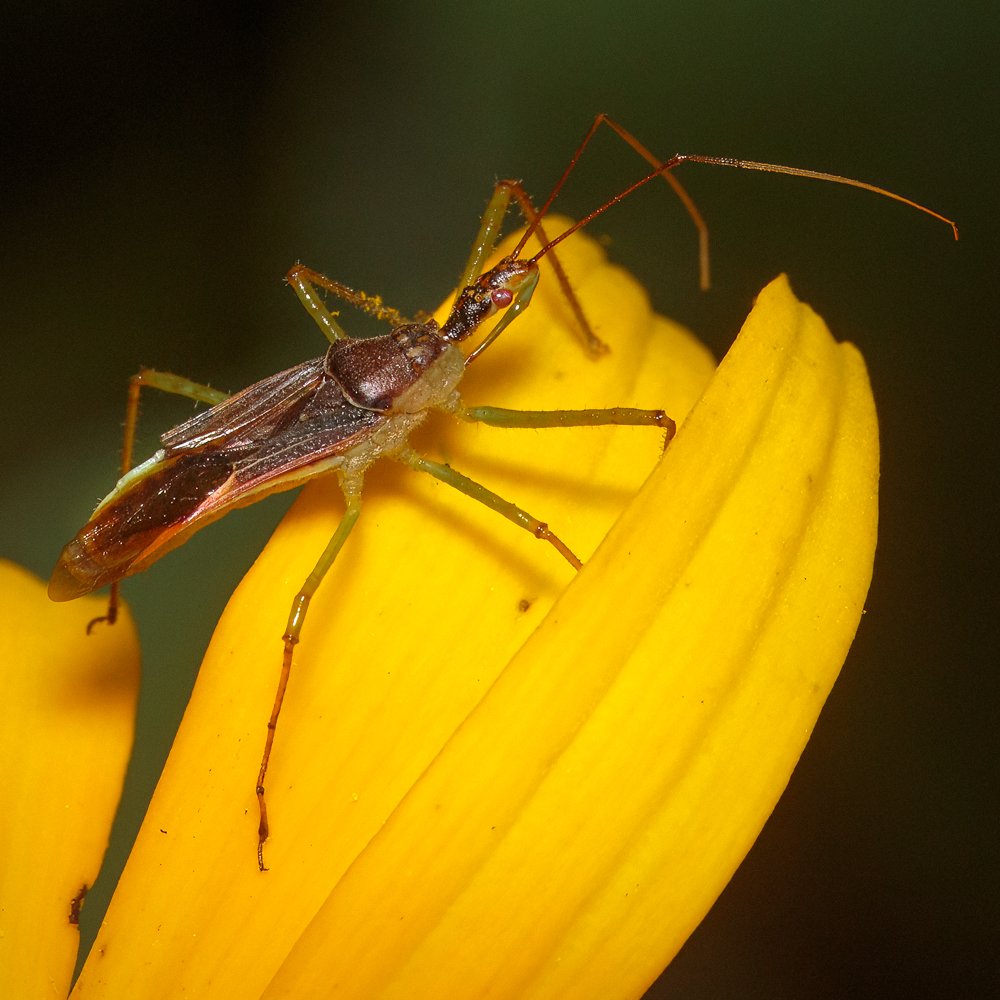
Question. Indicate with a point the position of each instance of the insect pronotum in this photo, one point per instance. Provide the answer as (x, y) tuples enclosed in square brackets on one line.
[(339, 413)]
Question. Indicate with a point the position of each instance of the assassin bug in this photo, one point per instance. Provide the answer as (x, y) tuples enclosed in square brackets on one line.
[(341, 412)]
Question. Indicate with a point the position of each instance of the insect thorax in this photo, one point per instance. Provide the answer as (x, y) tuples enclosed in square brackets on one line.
[(434, 389), (400, 372)]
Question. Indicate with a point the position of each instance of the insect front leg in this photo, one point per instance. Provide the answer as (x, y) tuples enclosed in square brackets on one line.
[(165, 382), (489, 233), (351, 486), (487, 497), (305, 281)]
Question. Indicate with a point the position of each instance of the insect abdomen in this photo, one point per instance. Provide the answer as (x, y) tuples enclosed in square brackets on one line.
[(113, 543)]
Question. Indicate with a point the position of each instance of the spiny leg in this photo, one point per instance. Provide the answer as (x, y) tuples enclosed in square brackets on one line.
[(489, 233), (351, 486), (165, 382), (304, 280), (490, 499)]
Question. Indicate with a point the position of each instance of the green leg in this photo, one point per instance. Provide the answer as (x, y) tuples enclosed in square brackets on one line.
[(148, 378), (653, 161), (296, 617), (495, 416), (490, 499), (486, 239), (305, 281)]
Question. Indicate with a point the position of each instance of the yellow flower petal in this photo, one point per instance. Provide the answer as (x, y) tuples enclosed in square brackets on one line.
[(69, 712), (581, 822), (453, 817), (419, 615)]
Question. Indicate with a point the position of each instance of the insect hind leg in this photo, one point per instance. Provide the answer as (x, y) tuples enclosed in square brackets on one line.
[(488, 498), (628, 416), (351, 486), (150, 378)]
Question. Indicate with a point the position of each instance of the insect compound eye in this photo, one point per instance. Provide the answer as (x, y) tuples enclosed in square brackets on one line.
[(502, 297)]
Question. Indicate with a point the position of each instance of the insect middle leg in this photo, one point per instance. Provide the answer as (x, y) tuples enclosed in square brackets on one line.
[(351, 487), (496, 416), (165, 382)]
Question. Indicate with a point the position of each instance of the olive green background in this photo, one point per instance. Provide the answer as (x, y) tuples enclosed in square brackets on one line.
[(164, 164)]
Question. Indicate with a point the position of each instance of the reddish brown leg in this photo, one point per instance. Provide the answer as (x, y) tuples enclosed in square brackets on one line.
[(293, 629), (685, 198)]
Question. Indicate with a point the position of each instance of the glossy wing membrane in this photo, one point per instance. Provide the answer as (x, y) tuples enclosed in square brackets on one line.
[(269, 437), (250, 415)]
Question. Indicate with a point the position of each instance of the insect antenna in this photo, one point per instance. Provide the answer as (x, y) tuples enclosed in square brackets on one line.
[(661, 171), (816, 175), (725, 161)]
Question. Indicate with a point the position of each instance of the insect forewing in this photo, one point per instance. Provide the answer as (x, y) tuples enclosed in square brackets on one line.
[(269, 437)]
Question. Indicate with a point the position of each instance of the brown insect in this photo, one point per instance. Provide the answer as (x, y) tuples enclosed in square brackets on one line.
[(359, 402)]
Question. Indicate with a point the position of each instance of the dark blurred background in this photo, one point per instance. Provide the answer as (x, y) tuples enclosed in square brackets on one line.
[(163, 164)]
